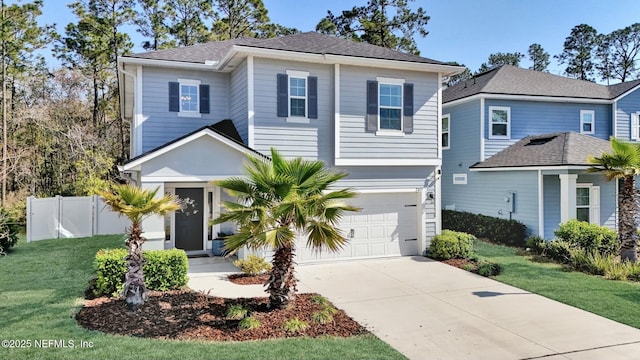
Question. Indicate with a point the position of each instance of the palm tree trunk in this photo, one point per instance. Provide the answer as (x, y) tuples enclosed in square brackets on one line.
[(134, 291), (282, 284), (627, 223)]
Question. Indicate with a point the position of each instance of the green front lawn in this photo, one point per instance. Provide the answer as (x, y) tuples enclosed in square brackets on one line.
[(616, 300), (41, 288)]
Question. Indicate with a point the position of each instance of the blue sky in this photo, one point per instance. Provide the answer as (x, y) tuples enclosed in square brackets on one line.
[(466, 31)]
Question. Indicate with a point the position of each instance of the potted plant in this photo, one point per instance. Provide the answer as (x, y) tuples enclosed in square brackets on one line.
[(218, 244)]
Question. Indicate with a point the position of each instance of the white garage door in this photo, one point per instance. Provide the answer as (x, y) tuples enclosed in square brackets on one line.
[(386, 226)]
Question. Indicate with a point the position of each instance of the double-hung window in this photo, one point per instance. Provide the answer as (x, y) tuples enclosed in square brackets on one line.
[(635, 126), (189, 98), (389, 107), (587, 121), (588, 203), (499, 122), (297, 96), (445, 131)]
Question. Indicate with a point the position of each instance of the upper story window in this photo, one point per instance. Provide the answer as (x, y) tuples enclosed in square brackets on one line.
[(445, 131), (189, 98), (587, 121), (389, 107), (635, 126), (297, 94), (499, 122)]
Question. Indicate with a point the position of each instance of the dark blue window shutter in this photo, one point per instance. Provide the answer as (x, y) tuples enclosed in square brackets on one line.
[(204, 99), (283, 95), (313, 97), (408, 108), (174, 96), (372, 105)]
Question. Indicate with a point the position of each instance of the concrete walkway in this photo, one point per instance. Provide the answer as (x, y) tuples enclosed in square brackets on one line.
[(429, 310)]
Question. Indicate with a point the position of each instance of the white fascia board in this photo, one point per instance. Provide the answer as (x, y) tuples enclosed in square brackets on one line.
[(445, 70), (388, 162), (528, 98), (386, 191), (186, 179), (135, 165), (531, 168), (166, 63)]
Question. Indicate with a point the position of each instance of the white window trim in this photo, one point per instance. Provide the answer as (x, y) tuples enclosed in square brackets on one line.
[(191, 114), (508, 110), (391, 81), (635, 126), (594, 203), (298, 75), (448, 132), (593, 121), (460, 179)]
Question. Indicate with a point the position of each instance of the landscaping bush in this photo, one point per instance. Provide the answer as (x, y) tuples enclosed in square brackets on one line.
[(8, 231), (536, 243), (163, 270), (558, 250), (253, 265), (451, 245), (591, 237), (501, 231), (487, 268)]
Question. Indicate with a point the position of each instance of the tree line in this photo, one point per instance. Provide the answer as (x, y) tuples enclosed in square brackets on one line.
[(586, 55)]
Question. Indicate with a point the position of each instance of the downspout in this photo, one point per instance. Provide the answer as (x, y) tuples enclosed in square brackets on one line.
[(134, 123)]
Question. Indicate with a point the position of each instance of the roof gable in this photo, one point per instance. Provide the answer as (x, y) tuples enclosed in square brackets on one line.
[(554, 149)]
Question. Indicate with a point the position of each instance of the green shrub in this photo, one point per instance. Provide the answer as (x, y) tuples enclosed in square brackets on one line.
[(249, 323), (322, 317), (558, 250), (295, 325), (163, 270), (501, 231), (487, 268), (8, 231), (535, 243), (591, 237), (319, 299), (253, 265), (236, 312), (451, 245)]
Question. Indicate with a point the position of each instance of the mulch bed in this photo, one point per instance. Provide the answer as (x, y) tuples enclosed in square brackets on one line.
[(244, 279), (459, 263), (185, 314)]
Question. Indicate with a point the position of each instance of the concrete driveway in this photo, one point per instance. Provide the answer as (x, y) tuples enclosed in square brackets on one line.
[(429, 310)]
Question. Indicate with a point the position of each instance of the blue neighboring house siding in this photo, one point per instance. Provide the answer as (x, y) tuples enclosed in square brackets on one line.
[(627, 105)]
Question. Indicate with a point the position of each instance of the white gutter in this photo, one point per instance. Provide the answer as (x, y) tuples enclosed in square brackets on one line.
[(544, 98), (208, 65)]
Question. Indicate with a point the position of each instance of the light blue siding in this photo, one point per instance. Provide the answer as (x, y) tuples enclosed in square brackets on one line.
[(312, 140), (464, 150), (626, 106), (238, 108), (485, 193), (537, 117), (160, 125), (357, 143), (551, 185)]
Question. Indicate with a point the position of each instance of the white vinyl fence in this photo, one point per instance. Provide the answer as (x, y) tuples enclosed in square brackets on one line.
[(69, 217)]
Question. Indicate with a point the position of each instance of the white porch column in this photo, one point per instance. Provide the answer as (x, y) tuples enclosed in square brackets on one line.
[(153, 226), (567, 197)]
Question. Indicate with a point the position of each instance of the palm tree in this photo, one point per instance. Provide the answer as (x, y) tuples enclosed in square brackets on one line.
[(278, 200), (623, 164), (136, 204)]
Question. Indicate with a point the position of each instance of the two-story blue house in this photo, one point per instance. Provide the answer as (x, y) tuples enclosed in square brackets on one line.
[(196, 111), (516, 144)]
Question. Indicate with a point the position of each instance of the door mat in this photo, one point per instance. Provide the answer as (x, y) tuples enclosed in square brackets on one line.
[(193, 256)]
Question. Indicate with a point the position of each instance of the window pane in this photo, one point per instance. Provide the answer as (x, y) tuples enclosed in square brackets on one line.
[(390, 119), (298, 107), (499, 116), (586, 127), (582, 196), (582, 214), (587, 117), (445, 124), (445, 140), (499, 129), (298, 86), (390, 95), (188, 98)]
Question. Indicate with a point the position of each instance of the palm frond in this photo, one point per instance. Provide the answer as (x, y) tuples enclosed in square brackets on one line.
[(322, 235)]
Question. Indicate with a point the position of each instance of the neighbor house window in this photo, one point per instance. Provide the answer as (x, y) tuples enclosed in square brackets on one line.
[(460, 179), (587, 121), (445, 131), (588, 203), (499, 122), (582, 204), (635, 126)]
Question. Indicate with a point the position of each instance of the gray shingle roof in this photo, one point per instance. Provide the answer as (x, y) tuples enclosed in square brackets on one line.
[(512, 80), (554, 149), (308, 42)]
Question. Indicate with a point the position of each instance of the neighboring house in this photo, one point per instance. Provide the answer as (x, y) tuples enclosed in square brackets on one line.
[(516, 144), (197, 111)]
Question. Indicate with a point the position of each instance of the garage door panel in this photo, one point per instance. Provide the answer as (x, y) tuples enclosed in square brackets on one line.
[(380, 229)]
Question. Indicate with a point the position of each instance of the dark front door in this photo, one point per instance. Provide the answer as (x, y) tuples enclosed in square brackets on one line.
[(190, 221)]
